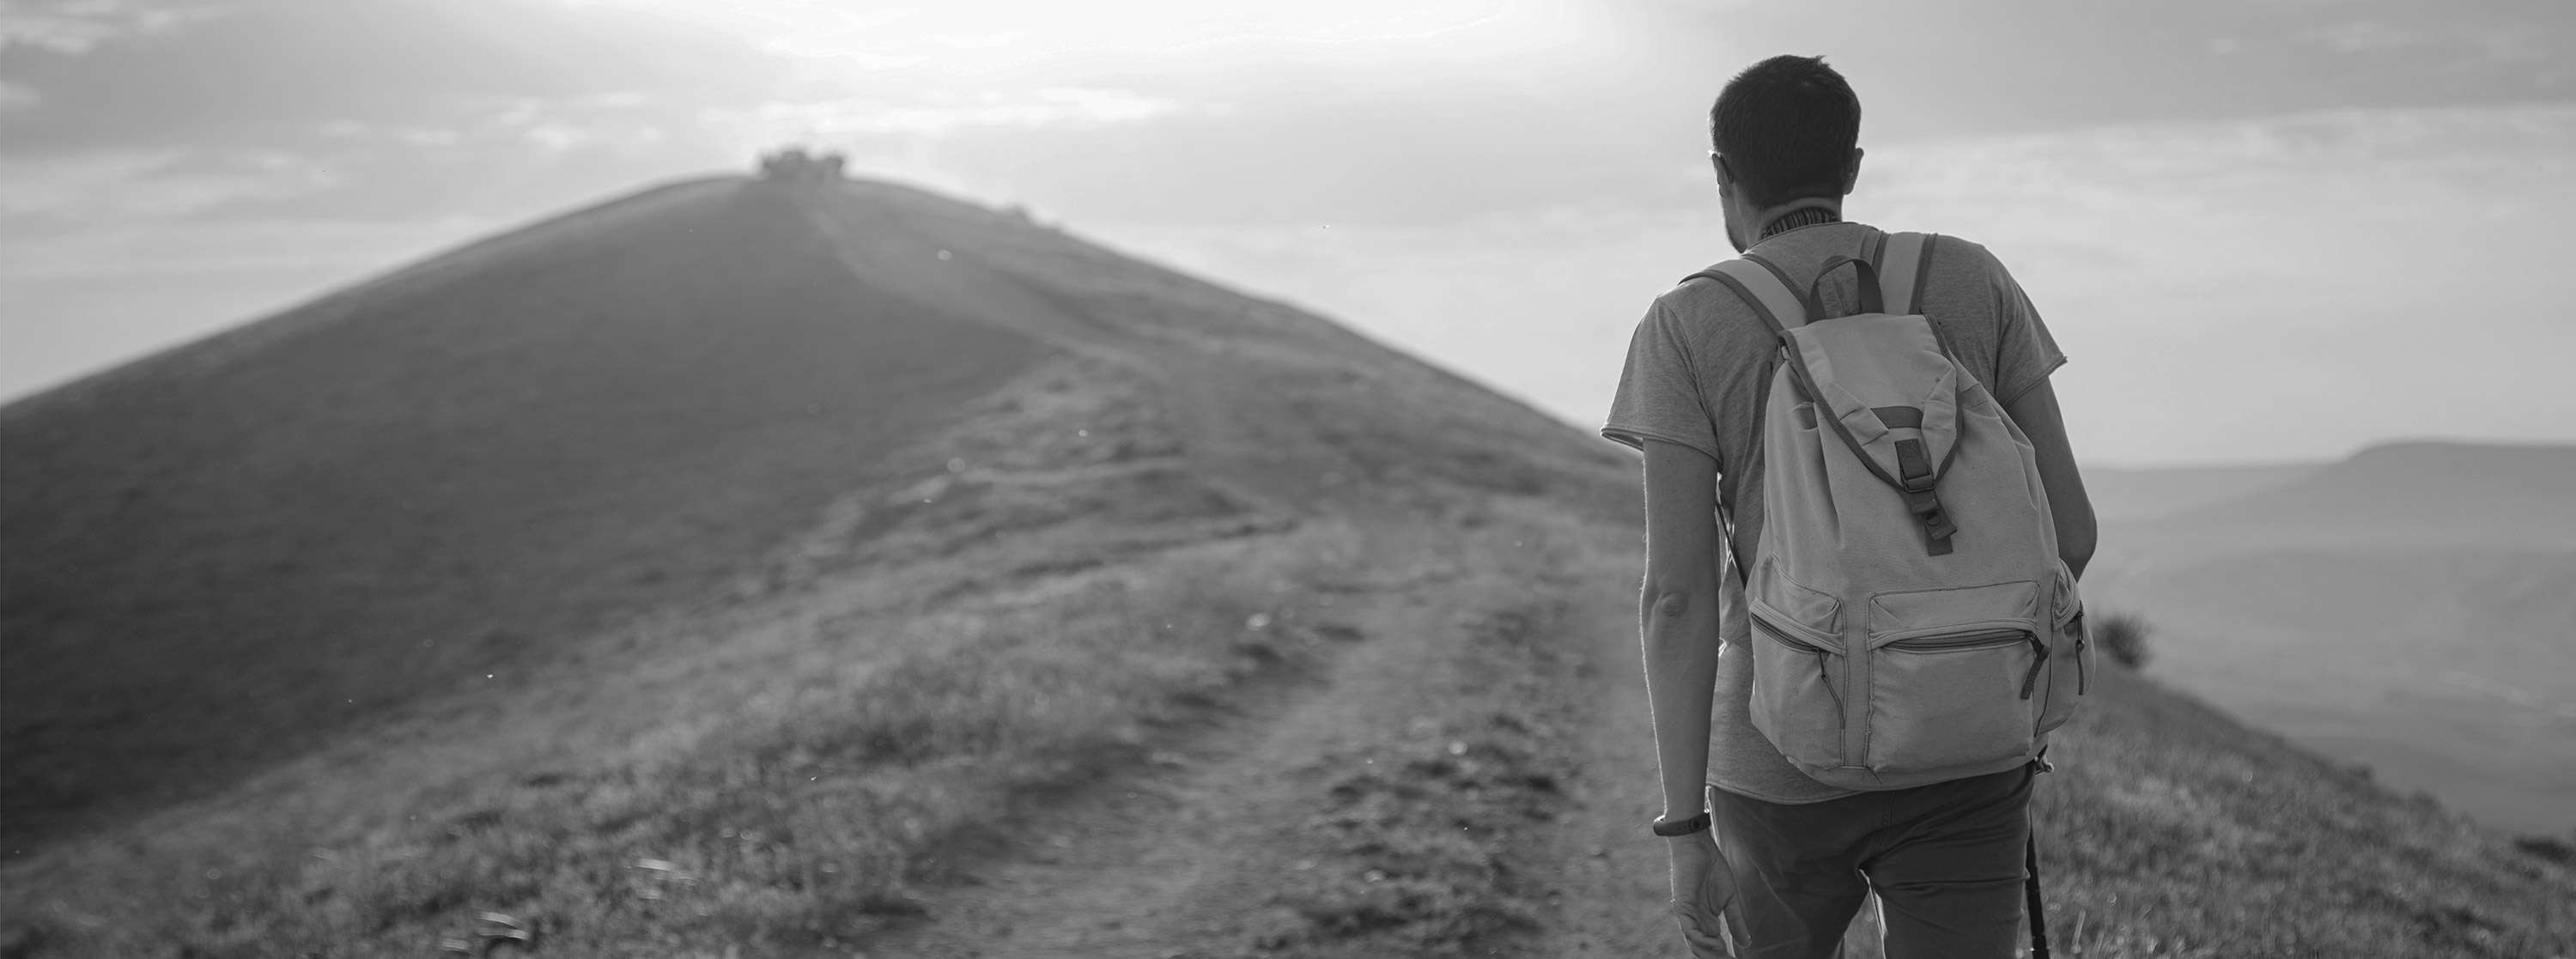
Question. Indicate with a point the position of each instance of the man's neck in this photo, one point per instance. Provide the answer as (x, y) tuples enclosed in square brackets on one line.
[(1797, 213)]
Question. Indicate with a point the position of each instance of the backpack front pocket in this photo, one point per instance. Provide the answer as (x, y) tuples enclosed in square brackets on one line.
[(1955, 677), (1953, 700), (1797, 689)]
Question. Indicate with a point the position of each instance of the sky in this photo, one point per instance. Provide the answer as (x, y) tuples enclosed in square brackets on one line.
[(2262, 230)]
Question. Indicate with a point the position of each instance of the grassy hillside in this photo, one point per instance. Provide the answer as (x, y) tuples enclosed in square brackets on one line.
[(2173, 830), (780, 777), (222, 551), (1112, 613)]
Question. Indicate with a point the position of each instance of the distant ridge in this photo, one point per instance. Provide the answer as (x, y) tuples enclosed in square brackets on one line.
[(2123, 494), (2418, 491)]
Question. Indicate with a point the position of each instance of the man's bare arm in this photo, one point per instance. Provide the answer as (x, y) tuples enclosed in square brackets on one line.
[(1677, 616), (2036, 412)]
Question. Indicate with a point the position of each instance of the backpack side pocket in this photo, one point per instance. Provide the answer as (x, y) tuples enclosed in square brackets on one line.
[(1797, 691), (1799, 669), (2070, 654)]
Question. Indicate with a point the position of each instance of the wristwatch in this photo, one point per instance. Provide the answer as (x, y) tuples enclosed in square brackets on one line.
[(1682, 828)]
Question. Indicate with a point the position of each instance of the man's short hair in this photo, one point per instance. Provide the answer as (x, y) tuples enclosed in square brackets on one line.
[(1786, 126)]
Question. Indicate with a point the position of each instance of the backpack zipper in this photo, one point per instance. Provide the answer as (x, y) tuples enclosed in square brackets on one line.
[(1958, 641), (1985, 639), (1824, 673), (2083, 674)]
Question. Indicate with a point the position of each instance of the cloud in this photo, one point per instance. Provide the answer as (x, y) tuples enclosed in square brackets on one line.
[(224, 250), (490, 128), (988, 37), (2378, 173), (940, 116), (2289, 286), (2361, 36), (411, 135), (79, 26), (2475, 40), (117, 188), (1302, 147), (265, 75)]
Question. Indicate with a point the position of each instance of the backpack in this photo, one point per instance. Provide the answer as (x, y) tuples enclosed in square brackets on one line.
[(1912, 622)]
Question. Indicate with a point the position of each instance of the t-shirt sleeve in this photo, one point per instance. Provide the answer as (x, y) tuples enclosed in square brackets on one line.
[(1659, 394), (2025, 352)]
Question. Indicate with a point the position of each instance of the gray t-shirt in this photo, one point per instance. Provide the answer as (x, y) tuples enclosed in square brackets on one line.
[(1694, 378)]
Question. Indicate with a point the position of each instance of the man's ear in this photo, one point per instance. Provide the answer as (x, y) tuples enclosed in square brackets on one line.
[(1725, 177), (1851, 174)]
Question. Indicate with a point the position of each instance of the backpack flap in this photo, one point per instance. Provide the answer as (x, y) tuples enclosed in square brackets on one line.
[(1892, 395), (1883, 381)]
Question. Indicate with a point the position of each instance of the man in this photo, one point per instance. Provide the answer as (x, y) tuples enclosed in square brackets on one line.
[(1789, 861)]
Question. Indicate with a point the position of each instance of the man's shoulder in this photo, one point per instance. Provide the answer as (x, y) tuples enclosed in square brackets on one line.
[(1698, 295), (1709, 322), (1952, 253)]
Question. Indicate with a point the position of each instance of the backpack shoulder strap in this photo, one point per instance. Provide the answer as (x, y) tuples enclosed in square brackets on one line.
[(1905, 267), (1904, 261), (1762, 286)]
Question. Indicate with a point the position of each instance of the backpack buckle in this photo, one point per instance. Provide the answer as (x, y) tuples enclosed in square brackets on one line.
[(1926, 508)]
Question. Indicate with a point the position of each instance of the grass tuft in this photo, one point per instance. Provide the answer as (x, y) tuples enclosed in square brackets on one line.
[(2549, 849), (2124, 638)]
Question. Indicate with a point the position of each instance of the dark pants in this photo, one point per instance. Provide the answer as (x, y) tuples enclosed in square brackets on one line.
[(1945, 860)]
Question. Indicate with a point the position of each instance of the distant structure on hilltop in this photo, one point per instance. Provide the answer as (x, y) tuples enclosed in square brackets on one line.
[(794, 165)]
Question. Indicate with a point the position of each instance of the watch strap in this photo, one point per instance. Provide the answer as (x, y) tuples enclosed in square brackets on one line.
[(1682, 828)]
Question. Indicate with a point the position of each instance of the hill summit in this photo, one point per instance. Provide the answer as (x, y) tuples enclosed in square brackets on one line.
[(225, 553)]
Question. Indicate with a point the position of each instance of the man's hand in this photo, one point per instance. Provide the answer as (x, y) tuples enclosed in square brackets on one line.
[(1702, 887)]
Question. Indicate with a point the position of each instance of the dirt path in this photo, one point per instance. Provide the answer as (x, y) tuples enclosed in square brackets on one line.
[(1610, 871), (1172, 860), (1189, 857)]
